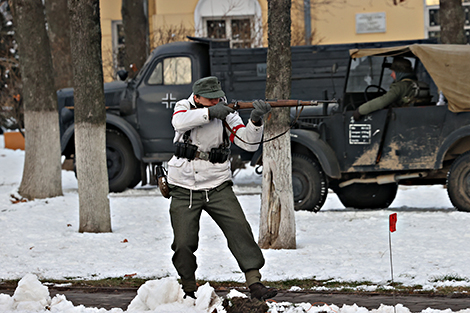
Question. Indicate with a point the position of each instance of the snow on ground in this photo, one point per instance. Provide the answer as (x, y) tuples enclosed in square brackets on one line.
[(40, 239)]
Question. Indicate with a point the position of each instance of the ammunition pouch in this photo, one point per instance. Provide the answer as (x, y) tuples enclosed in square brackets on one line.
[(185, 150), (190, 152), (219, 155)]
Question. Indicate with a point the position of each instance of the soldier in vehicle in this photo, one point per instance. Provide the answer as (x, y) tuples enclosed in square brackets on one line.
[(199, 178), (401, 93)]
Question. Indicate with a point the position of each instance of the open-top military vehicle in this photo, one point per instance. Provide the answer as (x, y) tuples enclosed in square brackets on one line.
[(364, 161)]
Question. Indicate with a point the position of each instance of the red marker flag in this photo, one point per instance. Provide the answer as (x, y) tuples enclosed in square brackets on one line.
[(393, 222)]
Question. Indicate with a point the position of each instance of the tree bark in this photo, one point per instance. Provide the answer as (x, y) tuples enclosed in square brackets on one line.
[(42, 169), (277, 221), (59, 36), (135, 34), (90, 116), (452, 20)]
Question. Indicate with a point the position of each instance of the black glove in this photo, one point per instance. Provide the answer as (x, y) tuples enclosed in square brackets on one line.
[(220, 111), (260, 109), (357, 116)]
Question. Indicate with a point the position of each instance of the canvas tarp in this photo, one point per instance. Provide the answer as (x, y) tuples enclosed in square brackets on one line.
[(448, 65)]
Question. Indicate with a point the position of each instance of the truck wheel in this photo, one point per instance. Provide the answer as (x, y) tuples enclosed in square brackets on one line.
[(458, 182), (308, 183), (136, 180), (367, 196), (121, 162)]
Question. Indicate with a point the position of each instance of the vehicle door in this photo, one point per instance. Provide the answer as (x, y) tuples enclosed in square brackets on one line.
[(367, 79), (168, 80), (413, 138)]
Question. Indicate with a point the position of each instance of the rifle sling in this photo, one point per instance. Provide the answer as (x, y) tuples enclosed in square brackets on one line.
[(267, 140)]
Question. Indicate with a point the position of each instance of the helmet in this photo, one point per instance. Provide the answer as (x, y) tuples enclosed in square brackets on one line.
[(402, 65)]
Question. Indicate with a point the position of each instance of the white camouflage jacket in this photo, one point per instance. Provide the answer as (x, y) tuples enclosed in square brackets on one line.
[(206, 134)]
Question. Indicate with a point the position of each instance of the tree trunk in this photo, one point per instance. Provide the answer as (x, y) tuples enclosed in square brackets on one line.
[(59, 36), (42, 170), (90, 116), (135, 34), (452, 21), (277, 221)]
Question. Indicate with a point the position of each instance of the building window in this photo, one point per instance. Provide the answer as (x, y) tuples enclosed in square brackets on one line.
[(434, 17), (119, 51), (216, 29), (241, 33), (466, 10), (433, 27), (171, 71), (237, 29), (238, 22)]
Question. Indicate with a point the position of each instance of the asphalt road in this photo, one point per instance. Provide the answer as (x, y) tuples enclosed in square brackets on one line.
[(121, 297)]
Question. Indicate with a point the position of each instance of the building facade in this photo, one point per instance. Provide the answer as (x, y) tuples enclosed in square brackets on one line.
[(243, 22)]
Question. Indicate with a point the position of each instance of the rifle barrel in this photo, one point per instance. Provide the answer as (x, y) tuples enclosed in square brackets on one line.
[(239, 105)]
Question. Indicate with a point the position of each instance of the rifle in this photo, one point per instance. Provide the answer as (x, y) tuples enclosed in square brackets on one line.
[(240, 105)]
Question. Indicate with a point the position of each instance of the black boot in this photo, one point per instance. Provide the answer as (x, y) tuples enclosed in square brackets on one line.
[(260, 292), (189, 294)]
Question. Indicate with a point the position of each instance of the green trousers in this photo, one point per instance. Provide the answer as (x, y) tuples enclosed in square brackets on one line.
[(223, 207)]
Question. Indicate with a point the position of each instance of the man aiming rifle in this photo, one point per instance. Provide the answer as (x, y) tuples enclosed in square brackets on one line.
[(199, 178)]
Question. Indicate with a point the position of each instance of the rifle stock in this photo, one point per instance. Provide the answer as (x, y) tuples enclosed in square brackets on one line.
[(240, 105)]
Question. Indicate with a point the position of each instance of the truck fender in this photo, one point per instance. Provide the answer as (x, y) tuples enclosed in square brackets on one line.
[(448, 142), (118, 123), (324, 153), (66, 137), (130, 133)]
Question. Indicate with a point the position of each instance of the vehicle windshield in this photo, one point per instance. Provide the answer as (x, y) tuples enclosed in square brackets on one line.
[(146, 64), (367, 71)]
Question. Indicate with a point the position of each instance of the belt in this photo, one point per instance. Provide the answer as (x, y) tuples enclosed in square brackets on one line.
[(201, 155)]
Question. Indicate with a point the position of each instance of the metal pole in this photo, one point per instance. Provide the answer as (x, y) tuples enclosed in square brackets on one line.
[(308, 22), (391, 270)]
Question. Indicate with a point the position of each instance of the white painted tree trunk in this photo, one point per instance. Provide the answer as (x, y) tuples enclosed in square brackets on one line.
[(42, 169), (92, 174), (90, 116), (277, 220)]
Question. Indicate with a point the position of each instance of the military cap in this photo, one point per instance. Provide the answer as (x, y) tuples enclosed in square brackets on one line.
[(208, 87)]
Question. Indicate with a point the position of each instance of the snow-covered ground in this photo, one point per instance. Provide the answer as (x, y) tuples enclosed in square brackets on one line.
[(40, 239)]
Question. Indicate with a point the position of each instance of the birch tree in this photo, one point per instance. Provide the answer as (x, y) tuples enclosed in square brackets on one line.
[(90, 116), (277, 221), (42, 170)]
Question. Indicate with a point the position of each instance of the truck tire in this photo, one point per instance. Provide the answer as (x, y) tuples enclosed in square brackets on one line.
[(309, 184), (458, 182), (367, 196), (121, 162), (136, 180)]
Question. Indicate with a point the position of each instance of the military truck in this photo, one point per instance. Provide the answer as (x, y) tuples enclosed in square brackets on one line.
[(138, 117), (426, 143)]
